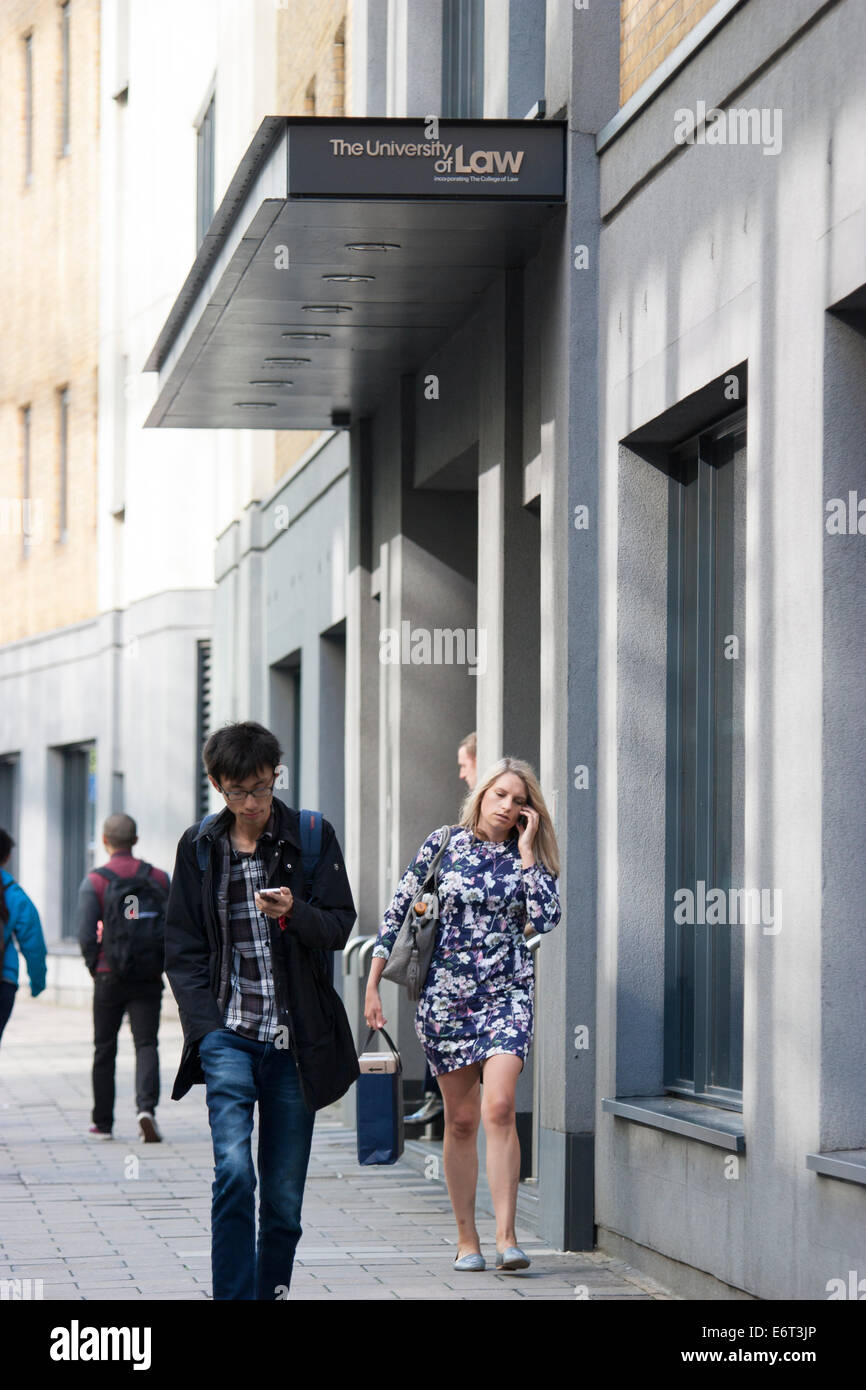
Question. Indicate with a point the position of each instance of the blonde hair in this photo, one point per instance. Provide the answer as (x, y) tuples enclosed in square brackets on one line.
[(545, 846), (470, 743)]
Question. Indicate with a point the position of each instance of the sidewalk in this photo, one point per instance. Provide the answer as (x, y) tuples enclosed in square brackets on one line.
[(126, 1220)]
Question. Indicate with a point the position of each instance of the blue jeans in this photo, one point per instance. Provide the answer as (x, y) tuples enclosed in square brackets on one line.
[(238, 1072)]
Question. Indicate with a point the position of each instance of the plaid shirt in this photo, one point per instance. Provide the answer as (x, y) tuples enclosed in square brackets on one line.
[(252, 1009)]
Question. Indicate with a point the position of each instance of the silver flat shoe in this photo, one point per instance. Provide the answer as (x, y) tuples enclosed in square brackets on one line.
[(512, 1258), (474, 1263), (431, 1108)]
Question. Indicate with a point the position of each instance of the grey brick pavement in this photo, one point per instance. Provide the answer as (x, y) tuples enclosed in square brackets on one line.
[(124, 1220)]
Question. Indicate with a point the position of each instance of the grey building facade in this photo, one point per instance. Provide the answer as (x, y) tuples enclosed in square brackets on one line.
[(594, 439)]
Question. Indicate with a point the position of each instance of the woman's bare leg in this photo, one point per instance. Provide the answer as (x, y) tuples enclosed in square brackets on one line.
[(503, 1147), (461, 1093)]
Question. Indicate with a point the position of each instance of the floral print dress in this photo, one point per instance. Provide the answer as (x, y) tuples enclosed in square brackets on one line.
[(478, 996)]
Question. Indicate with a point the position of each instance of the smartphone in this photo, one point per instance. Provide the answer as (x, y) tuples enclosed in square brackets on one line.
[(269, 892)]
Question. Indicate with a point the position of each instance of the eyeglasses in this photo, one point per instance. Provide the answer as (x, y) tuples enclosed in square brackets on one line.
[(260, 793)]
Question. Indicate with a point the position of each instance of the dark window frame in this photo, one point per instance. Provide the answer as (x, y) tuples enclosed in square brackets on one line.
[(65, 86), (463, 59), (699, 784), (28, 108), (78, 848), (26, 452), (205, 170), (10, 803), (63, 471)]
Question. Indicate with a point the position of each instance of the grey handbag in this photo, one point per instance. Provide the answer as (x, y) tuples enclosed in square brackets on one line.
[(412, 952)]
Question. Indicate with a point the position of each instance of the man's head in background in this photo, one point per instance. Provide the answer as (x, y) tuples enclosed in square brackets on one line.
[(467, 760), (119, 833)]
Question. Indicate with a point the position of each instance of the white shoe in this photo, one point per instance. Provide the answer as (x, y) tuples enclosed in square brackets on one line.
[(147, 1126)]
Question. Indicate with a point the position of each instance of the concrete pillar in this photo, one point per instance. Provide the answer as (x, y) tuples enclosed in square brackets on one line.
[(508, 569), (583, 49), (414, 58), (513, 57), (508, 540), (369, 37)]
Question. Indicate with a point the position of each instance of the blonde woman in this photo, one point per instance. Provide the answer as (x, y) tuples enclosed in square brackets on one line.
[(497, 877)]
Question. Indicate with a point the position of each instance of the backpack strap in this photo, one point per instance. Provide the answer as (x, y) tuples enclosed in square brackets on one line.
[(202, 844), (144, 870), (311, 844), (311, 849)]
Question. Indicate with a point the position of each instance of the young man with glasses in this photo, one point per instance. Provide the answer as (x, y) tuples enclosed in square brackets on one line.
[(244, 938)]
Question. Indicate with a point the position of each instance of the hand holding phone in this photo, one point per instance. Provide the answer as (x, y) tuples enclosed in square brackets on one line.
[(528, 821), (274, 902)]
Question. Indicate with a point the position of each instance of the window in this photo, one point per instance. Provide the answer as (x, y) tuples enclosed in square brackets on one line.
[(704, 936), (205, 172), (463, 58), (9, 804), (78, 790), (64, 78), (284, 717), (63, 471), (25, 482), (28, 108)]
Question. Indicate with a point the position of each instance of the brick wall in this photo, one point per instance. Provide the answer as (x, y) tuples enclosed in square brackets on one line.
[(649, 31), (49, 260), (311, 37)]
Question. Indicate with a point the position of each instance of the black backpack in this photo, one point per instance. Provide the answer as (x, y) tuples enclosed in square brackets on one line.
[(133, 924)]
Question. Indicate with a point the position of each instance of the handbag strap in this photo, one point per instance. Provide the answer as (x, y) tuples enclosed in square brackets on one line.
[(436, 861)]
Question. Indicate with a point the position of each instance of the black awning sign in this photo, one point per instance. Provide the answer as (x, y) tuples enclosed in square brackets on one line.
[(514, 159)]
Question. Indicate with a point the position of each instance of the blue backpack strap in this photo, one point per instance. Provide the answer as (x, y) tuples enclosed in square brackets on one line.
[(202, 844), (311, 849), (311, 844)]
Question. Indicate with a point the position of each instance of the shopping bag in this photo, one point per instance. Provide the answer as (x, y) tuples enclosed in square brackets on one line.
[(379, 1103)]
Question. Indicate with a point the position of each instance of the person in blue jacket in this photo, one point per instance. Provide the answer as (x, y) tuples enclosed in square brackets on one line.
[(22, 931)]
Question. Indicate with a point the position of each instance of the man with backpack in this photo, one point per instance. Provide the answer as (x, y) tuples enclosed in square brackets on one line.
[(259, 899), (121, 930)]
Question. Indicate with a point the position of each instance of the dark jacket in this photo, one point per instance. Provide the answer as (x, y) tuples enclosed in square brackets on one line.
[(196, 951)]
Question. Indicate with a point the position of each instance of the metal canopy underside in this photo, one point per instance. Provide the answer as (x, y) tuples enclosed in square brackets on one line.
[(240, 299)]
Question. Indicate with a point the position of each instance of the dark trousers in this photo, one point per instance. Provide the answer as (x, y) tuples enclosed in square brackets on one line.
[(240, 1072), (7, 999), (113, 998)]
